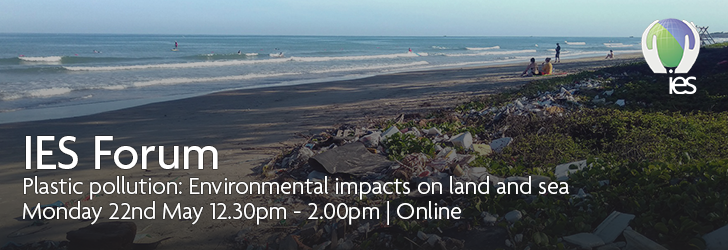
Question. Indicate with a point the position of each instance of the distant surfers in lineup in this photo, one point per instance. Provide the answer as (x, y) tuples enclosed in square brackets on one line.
[(240, 52), (276, 55)]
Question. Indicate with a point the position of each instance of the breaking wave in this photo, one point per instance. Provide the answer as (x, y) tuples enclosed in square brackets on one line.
[(37, 93), (377, 67), (184, 80), (495, 53), (176, 65), (41, 58), (223, 63), (485, 48)]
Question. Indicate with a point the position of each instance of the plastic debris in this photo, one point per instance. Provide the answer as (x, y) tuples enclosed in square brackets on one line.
[(562, 171), (105, 235), (637, 241), (482, 149), (390, 132), (717, 239), (351, 158), (514, 216), (463, 140), (613, 226), (316, 176), (499, 144), (585, 240)]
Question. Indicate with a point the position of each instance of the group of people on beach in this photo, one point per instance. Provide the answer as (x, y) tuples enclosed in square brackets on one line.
[(532, 69), (546, 67)]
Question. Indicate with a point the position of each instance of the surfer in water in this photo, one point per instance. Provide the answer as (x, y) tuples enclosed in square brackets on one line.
[(175, 44)]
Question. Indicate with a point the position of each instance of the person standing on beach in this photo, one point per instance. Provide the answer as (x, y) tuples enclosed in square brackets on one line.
[(558, 51)]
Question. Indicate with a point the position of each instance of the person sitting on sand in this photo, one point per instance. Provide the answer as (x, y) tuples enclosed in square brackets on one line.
[(546, 67), (531, 69), (610, 55)]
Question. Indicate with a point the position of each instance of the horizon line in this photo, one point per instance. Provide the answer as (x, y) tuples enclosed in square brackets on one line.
[(162, 34)]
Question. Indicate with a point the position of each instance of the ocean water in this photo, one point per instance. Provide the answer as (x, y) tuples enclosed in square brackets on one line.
[(78, 71)]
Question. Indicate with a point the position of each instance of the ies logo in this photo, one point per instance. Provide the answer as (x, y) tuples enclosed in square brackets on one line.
[(671, 46)]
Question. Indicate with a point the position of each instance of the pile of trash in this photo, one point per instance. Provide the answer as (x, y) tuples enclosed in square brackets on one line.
[(370, 154), (364, 154), (104, 235), (340, 235), (554, 103)]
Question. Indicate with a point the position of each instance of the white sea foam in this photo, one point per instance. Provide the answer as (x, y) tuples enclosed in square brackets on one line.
[(111, 87), (344, 58), (185, 80), (583, 53), (49, 92), (177, 65), (10, 97), (453, 65), (377, 67), (41, 58), (495, 53), (617, 45), (602, 53), (37, 93), (485, 48), (629, 51), (223, 63), (439, 47)]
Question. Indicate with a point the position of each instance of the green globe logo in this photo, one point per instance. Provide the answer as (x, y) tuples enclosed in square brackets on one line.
[(670, 46)]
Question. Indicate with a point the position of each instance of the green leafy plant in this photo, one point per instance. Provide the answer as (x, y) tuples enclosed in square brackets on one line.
[(399, 145)]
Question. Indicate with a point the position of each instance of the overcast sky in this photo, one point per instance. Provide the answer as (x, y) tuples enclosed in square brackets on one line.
[(348, 17)]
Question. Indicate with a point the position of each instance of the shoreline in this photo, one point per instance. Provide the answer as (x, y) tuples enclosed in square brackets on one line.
[(247, 127), (72, 111)]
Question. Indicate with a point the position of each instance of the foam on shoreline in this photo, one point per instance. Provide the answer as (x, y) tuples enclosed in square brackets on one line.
[(24, 115)]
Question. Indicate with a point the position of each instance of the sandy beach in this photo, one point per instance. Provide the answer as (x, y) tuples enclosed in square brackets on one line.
[(247, 127)]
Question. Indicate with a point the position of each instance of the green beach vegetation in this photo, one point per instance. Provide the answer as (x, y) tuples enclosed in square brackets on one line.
[(664, 157)]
